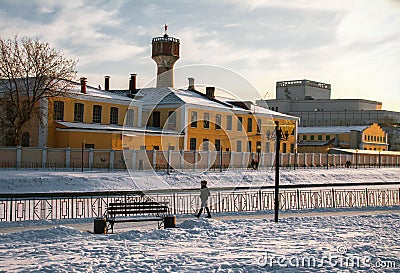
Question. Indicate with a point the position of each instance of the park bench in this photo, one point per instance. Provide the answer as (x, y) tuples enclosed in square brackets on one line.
[(136, 212)]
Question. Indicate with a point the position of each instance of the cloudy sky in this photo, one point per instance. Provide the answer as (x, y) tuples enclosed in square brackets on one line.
[(352, 44)]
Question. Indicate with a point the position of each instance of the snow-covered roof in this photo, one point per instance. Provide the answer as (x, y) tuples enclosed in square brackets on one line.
[(113, 128), (168, 95), (331, 129), (92, 92)]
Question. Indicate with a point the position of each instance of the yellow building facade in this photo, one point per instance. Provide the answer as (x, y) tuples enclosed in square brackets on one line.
[(321, 139)]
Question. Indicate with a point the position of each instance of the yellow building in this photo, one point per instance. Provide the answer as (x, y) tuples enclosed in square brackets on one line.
[(160, 118), (320, 139)]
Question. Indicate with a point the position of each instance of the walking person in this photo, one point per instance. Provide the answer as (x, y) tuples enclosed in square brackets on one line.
[(204, 194)]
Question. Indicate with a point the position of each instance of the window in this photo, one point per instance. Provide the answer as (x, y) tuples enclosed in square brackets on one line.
[(239, 124), (304, 137), (238, 146), (249, 144), (156, 148), (192, 144), (205, 144), (258, 125), (292, 148), (328, 137), (78, 112), (228, 122), (58, 110), (142, 147), (217, 144), (130, 117), (368, 138), (249, 125), (89, 146), (193, 119), (206, 124), (284, 147), (96, 114), (217, 122), (312, 137), (319, 137), (114, 115), (171, 120), (155, 120), (25, 139)]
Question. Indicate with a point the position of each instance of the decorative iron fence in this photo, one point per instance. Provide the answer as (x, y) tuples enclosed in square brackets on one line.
[(50, 206)]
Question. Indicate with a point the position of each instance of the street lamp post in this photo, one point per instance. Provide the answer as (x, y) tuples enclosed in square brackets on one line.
[(356, 158), (82, 156), (327, 158), (279, 136), (295, 158), (379, 162), (258, 155)]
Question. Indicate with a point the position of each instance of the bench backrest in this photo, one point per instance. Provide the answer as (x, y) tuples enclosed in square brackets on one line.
[(133, 208)]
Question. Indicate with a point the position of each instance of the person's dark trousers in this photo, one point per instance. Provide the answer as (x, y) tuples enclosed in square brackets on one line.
[(201, 210)]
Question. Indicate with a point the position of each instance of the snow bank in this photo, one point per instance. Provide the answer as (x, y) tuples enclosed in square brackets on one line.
[(12, 181), (210, 245)]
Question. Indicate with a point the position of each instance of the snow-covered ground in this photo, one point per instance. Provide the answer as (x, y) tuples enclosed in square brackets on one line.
[(12, 181), (335, 240), (360, 242)]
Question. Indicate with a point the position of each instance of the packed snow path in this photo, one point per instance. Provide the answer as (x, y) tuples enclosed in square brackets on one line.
[(226, 244)]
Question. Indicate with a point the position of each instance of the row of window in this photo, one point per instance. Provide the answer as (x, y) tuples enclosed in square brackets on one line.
[(319, 137), (218, 122), (374, 138), (97, 110), (328, 137)]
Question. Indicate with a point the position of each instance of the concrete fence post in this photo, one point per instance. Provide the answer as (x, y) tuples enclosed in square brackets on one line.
[(67, 157), (154, 159), (91, 158), (182, 159), (133, 163), (19, 157), (112, 158), (44, 157)]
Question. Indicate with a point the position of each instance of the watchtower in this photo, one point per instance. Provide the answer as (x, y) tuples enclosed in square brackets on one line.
[(165, 52)]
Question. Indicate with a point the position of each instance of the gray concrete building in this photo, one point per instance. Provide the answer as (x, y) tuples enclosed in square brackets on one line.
[(311, 102)]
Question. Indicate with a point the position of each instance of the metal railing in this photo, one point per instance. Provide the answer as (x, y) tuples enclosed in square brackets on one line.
[(73, 205)]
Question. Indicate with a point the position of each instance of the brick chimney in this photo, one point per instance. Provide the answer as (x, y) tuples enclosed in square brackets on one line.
[(107, 83), (191, 84), (83, 85), (132, 84), (210, 92)]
